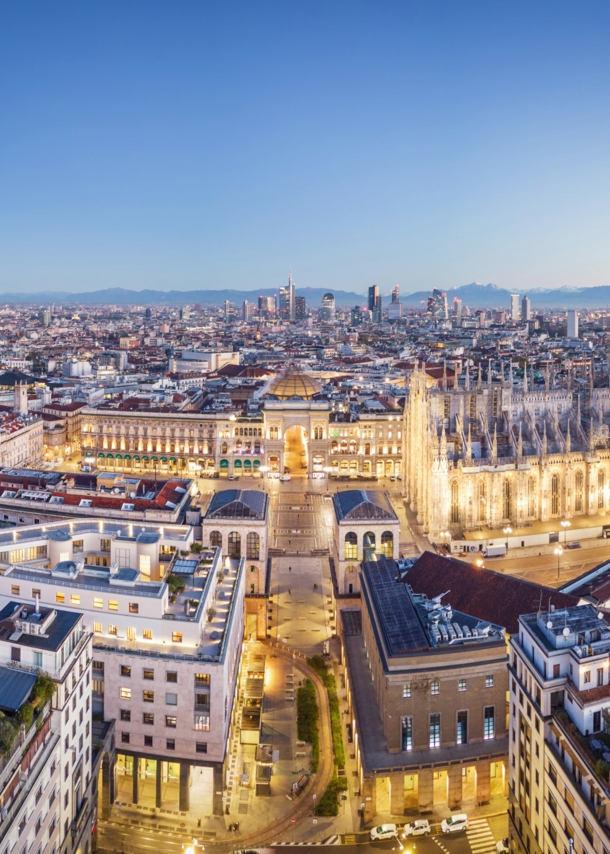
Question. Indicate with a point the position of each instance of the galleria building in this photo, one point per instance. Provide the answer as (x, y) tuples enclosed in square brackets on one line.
[(475, 458)]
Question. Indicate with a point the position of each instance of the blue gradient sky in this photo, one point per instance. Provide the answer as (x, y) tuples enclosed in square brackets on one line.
[(198, 144)]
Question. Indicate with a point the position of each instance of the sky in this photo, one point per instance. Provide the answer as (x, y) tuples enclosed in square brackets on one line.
[(183, 145)]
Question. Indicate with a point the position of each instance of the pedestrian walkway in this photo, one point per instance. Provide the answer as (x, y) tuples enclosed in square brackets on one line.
[(480, 837)]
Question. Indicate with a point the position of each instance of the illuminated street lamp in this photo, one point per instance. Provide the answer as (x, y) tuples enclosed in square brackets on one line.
[(558, 551), (565, 524), (508, 531)]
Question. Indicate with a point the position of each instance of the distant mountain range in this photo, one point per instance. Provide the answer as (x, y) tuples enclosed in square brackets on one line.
[(123, 296), (474, 295)]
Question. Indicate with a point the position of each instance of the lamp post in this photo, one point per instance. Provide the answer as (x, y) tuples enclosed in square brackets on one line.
[(558, 551), (565, 524), (327, 471), (508, 531)]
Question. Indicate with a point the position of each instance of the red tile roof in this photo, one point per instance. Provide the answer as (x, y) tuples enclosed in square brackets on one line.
[(483, 593)]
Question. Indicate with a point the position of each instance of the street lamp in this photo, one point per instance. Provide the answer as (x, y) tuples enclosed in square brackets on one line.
[(558, 551), (565, 524), (508, 531)]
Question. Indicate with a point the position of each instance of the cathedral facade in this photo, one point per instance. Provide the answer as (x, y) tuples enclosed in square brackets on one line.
[(496, 455)]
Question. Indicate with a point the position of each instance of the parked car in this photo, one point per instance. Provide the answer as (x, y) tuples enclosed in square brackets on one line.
[(502, 847), (385, 831), (421, 827), (284, 478), (455, 823)]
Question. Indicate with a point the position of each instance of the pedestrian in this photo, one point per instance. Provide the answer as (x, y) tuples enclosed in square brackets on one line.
[(198, 822), (289, 569)]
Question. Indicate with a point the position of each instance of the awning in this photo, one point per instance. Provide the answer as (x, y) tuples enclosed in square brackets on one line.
[(224, 464), (127, 456), (100, 455), (237, 464), (257, 464), (136, 457), (146, 459), (247, 464), (163, 459), (172, 459), (119, 456)]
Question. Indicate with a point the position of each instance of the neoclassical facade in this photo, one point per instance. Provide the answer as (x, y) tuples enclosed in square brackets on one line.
[(494, 456), (296, 434)]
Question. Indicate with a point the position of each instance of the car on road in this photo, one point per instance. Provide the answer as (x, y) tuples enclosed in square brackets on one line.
[(455, 823), (502, 847), (284, 478), (385, 831), (421, 827)]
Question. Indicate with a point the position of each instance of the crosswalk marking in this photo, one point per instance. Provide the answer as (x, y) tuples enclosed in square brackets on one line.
[(480, 837)]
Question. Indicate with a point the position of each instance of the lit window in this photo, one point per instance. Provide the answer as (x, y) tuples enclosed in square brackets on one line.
[(461, 684), (406, 690), (434, 686), (113, 630), (488, 727), (149, 673), (125, 670), (170, 721), (15, 590), (97, 628), (176, 637), (125, 693), (435, 731), (59, 597), (147, 634), (134, 608), (98, 603), (202, 722), (148, 718), (131, 634), (148, 696), (113, 605), (489, 681), (74, 599)]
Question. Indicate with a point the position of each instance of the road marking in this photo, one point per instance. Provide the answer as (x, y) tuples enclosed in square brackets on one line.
[(480, 837)]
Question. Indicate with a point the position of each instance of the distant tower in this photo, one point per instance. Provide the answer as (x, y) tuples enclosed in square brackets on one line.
[(375, 303), (20, 404), (327, 311), (526, 308), (572, 323), (514, 308)]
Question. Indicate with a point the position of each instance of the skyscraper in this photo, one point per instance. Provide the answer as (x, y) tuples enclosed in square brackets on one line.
[(457, 309), (526, 308), (375, 303), (247, 311), (437, 305), (572, 323), (327, 312), (396, 293), (514, 308), (287, 306), (300, 308), (395, 307)]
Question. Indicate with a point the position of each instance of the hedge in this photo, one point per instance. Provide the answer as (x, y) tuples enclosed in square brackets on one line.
[(308, 718)]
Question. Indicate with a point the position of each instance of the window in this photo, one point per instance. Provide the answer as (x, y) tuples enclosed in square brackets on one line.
[(36, 592), (587, 676), (171, 699), (125, 737), (406, 725), (148, 718), (148, 696), (149, 673), (147, 634), (201, 747), (131, 633), (113, 605), (171, 676), (600, 676), (74, 599), (434, 686), (104, 545), (125, 693), (455, 503), (96, 628), (171, 721), (125, 715), (461, 684), (435, 731), (406, 690), (202, 722), (98, 603), (554, 495), (170, 744), (15, 653), (556, 671), (113, 630), (134, 608), (37, 659), (148, 741), (15, 590), (253, 546), (176, 637), (202, 680), (462, 728), (489, 681), (60, 597), (488, 726), (350, 547), (125, 670)]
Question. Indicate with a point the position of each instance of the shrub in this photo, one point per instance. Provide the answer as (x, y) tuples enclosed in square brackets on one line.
[(602, 769), (211, 614), (175, 583), (328, 803), (196, 548), (308, 718)]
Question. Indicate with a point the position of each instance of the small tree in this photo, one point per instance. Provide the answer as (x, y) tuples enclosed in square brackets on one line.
[(211, 614), (196, 548)]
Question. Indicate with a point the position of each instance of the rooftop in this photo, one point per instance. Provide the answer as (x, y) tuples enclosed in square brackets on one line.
[(359, 505), (46, 629), (238, 504)]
